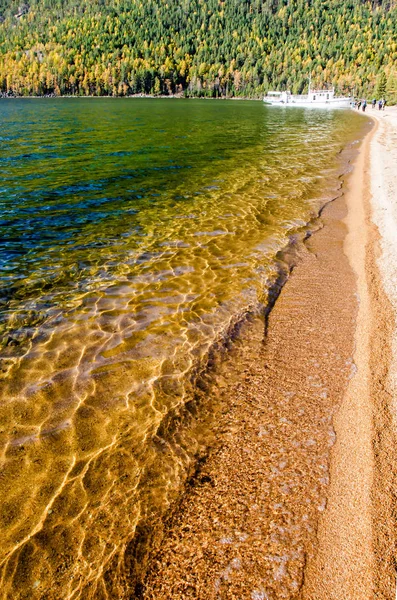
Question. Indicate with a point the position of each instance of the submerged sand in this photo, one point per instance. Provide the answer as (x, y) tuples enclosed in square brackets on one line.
[(280, 510), (246, 528)]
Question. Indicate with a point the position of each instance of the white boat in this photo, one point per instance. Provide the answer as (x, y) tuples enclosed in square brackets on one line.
[(314, 99)]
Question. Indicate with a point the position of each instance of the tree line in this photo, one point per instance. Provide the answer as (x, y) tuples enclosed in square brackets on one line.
[(205, 48)]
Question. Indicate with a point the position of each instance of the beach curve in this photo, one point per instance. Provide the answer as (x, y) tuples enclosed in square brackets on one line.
[(351, 553), (356, 536)]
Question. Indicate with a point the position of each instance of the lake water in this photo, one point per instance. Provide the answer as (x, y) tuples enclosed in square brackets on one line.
[(133, 235)]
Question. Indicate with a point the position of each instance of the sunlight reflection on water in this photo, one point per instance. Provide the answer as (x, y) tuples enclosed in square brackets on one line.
[(133, 235)]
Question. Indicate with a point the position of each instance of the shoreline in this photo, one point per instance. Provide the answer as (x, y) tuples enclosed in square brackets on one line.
[(356, 536), (346, 558), (170, 448), (132, 97)]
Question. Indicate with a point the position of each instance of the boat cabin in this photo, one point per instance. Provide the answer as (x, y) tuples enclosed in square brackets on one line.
[(320, 96)]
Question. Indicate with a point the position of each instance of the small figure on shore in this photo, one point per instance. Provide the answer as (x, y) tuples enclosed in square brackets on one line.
[(358, 105), (384, 104), (380, 104), (364, 105), (374, 103)]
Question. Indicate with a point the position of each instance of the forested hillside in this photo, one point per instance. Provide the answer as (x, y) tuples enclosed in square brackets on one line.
[(196, 47)]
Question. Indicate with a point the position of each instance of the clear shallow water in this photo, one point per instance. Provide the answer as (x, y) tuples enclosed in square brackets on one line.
[(133, 234)]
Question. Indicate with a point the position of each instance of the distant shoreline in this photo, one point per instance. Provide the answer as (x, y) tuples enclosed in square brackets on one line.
[(131, 97)]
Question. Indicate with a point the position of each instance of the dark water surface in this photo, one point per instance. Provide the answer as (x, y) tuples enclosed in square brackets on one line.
[(133, 234)]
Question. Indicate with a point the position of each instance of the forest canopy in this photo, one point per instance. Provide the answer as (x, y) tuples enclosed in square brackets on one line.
[(196, 47)]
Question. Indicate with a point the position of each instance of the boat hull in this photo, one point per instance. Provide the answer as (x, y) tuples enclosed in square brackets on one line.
[(335, 103)]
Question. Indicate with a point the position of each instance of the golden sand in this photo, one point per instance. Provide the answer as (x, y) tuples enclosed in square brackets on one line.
[(356, 539), (279, 510)]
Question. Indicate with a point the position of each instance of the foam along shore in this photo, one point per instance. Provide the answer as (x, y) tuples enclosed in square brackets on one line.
[(280, 510)]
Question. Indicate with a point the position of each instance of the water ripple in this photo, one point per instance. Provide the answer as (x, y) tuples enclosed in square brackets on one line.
[(133, 237)]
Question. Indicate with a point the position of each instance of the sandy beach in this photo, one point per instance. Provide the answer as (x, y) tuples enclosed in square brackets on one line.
[(297, 501), (356, 536)]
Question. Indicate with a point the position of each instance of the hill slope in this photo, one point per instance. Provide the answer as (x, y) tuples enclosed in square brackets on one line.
[(201, 47)]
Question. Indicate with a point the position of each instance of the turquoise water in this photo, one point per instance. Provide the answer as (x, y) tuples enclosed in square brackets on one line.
[(133, 234)]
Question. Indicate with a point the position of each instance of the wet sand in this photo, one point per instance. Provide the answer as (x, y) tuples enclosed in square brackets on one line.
[(279, 510), (356, 537)]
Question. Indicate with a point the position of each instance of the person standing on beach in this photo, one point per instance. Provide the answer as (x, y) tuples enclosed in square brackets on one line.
[(384, 104), (364, 105), (374, 103), (358, 105), (380, 104)]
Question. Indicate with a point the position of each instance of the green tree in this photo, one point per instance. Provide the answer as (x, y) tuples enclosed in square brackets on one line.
[(391, 88), (381, 85), (157, 86), (198, 47)]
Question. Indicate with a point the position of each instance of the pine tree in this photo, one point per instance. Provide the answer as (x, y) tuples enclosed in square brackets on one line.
[(381, 85), (199, 47), (391, 88), (157, 86)]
